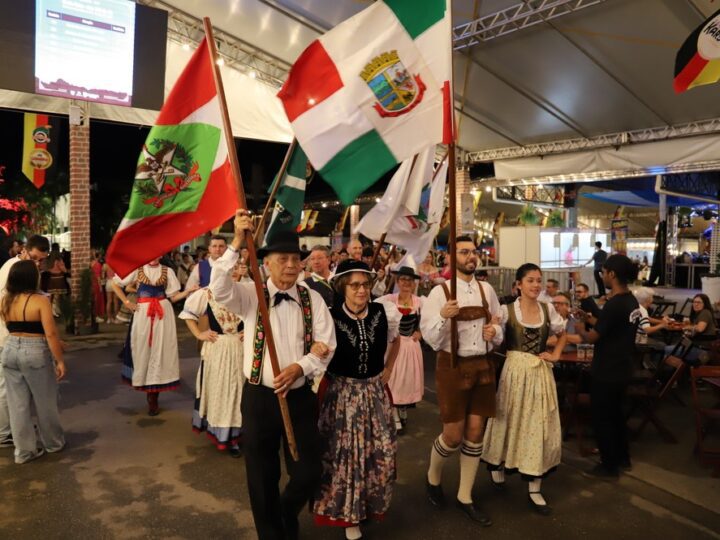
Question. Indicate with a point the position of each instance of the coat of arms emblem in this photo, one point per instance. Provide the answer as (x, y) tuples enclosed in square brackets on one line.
[(396, 90)]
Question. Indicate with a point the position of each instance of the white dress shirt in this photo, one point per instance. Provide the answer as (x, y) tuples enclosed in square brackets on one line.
[(286, 320), (435, 329), (194, 277)]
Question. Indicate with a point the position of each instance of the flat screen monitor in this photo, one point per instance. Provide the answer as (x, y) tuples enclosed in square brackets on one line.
[(107, 51)]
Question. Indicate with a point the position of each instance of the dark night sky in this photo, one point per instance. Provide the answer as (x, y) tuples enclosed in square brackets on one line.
[(114, 152)]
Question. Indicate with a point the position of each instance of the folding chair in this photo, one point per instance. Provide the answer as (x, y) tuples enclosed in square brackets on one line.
[(705, 416), (645, 394)]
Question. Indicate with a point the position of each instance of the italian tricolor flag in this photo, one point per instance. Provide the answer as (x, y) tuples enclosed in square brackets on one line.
[(184, 184), (372, 92)]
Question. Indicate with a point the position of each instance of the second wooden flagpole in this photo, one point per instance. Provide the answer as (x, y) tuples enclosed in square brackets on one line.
[(249, 241)]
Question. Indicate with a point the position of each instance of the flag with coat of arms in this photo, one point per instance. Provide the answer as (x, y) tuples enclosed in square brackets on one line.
[(410, 211), (372, 92)]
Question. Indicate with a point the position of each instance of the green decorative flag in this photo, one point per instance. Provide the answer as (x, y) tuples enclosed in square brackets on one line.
[(184, 184), (290, 196)]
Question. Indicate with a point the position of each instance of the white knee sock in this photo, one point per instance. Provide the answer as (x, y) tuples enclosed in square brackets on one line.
[(438, 456), (469, 462), (534, 491), (353, 533), (498, 476)]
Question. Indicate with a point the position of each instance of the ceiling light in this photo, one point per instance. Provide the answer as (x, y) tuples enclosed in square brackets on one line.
[(186, 46), (252, 74), (311, 101), (220, 62)]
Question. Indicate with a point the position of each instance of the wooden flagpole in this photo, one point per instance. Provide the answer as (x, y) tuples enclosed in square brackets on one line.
[(250, 244), (452, 194), (259, 231), (377, 250)]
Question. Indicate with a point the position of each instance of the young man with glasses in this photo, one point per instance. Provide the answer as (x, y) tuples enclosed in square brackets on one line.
[(561, 303), (37, 250), (465, 388), (587, 304)]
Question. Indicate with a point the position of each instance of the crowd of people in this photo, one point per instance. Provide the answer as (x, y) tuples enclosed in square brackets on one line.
[(348, 327)]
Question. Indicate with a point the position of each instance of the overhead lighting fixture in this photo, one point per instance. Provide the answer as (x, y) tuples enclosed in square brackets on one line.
[(220, 62), (324, 205), (252, 74), (377, 199), (186, 46), (311, 101), (488, 189)]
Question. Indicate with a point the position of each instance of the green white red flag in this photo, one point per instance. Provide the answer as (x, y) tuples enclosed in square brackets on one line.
[(373, 91), (184, 184), (290, 197)]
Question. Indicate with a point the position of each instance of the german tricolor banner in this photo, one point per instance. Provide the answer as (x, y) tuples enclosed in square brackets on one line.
[(698, 60), (40, 143)]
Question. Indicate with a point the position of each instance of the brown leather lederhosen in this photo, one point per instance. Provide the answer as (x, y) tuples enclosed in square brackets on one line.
[(469, 387)]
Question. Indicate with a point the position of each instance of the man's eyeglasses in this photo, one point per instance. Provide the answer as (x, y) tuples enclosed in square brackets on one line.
[(466, 252), (355, 285)]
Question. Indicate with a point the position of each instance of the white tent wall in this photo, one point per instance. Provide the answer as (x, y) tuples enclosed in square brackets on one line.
[(651, 158), (255, 111)]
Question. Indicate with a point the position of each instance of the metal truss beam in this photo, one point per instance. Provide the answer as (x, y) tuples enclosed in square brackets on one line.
[(521, 15), (541, 196), (188, 30), (704, 166), (701, 127)]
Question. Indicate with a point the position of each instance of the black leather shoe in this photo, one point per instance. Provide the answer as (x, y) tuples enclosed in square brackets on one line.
[(471, 511), (292, 526), (542, 509), (435, 494), (235, 451)]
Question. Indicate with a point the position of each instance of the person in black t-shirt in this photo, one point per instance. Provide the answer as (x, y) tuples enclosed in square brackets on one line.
[(587, 305), (611, 368)]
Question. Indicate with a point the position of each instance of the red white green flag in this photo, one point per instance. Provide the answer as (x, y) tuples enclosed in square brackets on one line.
[(184, 184), (372, 92)]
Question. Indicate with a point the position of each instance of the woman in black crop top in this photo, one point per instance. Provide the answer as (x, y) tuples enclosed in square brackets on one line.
[(356, 420), (32, 362)]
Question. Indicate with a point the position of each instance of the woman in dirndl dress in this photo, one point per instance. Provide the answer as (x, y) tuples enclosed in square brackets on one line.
[(150, 355), (524, 436), (218, 387), (407, 380), (356, 420)]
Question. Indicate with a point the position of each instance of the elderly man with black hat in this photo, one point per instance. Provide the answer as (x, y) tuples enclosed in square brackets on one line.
[(299, 318), (465, 387)]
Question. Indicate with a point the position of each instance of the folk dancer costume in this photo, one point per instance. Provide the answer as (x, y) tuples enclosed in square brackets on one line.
[(150, 356), (218, 386), (356, 420), (525, 435), (468, 388), (407, 380), (298, 317), (200, 276), (322, 286)]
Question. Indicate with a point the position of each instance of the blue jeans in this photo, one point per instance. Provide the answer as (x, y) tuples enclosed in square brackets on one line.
[(30, 378)]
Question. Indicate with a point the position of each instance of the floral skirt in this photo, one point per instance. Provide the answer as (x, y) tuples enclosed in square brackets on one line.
[(358, 461), (525, 434)]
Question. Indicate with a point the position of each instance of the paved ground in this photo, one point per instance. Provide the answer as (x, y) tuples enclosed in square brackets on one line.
[(126, 475)]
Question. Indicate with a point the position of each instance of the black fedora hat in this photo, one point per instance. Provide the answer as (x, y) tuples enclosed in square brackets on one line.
[(281, 242), (405, 271), (351, 265)]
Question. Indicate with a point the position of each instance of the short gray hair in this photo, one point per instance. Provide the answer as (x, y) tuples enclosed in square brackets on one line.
[(643, 294), (320, 247)]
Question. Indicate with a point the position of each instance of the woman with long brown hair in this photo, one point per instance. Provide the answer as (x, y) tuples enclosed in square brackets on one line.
[(32, 362)]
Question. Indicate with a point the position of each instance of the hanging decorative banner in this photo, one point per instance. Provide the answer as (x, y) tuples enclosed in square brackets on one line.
[(40, 143), (618, 238)]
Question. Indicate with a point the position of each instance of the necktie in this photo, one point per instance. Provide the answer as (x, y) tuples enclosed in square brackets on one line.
[(280, 296)]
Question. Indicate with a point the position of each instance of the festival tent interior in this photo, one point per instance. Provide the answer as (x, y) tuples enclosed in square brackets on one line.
[(546, 91)]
